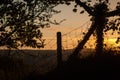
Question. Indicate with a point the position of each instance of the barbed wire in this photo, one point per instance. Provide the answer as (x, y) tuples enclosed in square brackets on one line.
[(71, 38), (75, 28)]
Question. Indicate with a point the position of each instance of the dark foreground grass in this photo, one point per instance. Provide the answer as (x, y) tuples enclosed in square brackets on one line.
[(13, 68), (104, 67)]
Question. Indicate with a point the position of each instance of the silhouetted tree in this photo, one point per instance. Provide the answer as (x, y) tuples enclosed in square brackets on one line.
[(21, 20), (100, 12)]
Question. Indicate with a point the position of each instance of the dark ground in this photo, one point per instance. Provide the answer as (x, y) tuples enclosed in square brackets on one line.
[(104, 67)]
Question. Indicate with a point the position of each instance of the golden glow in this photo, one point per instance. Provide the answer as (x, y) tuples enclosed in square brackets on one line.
[(112, 42)]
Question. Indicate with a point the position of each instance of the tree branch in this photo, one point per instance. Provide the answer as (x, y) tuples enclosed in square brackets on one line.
[(82, 4), (85, 39), (113, 13)]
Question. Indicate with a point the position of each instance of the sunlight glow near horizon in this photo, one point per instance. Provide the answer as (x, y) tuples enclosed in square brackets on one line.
[(73, 20), (112, 42)]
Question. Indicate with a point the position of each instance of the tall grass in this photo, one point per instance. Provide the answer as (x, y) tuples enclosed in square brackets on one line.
[(16, 68)]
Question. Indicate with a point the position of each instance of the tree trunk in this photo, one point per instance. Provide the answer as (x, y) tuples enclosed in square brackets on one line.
[(101, 21), (99, 41)]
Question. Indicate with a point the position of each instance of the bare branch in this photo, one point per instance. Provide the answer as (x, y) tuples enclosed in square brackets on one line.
[(82, 4), (113, 13)]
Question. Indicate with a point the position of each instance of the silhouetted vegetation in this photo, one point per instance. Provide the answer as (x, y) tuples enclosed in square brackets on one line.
[(105, 67), (100, 12), (21, 21), (13, 68), (91, 67)]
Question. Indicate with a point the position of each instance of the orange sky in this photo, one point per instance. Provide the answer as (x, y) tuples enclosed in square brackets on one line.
[(73, 20)]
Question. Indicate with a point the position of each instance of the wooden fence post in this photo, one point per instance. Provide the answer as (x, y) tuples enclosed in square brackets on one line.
[(59, 49)]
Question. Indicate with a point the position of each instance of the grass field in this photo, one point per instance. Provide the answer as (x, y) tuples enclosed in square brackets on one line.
[(21, 65)]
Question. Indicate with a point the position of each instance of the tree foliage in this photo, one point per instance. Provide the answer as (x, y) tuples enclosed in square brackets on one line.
[(100, 13), (21, 20), (91, 6)]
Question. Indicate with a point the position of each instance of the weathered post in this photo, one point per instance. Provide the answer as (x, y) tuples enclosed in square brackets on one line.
[(59, 49)]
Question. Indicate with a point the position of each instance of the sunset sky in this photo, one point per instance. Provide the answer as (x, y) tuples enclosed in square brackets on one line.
[(73, 21), (73, 28)]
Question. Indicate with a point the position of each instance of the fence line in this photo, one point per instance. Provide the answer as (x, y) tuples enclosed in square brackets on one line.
[(69, 39)]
